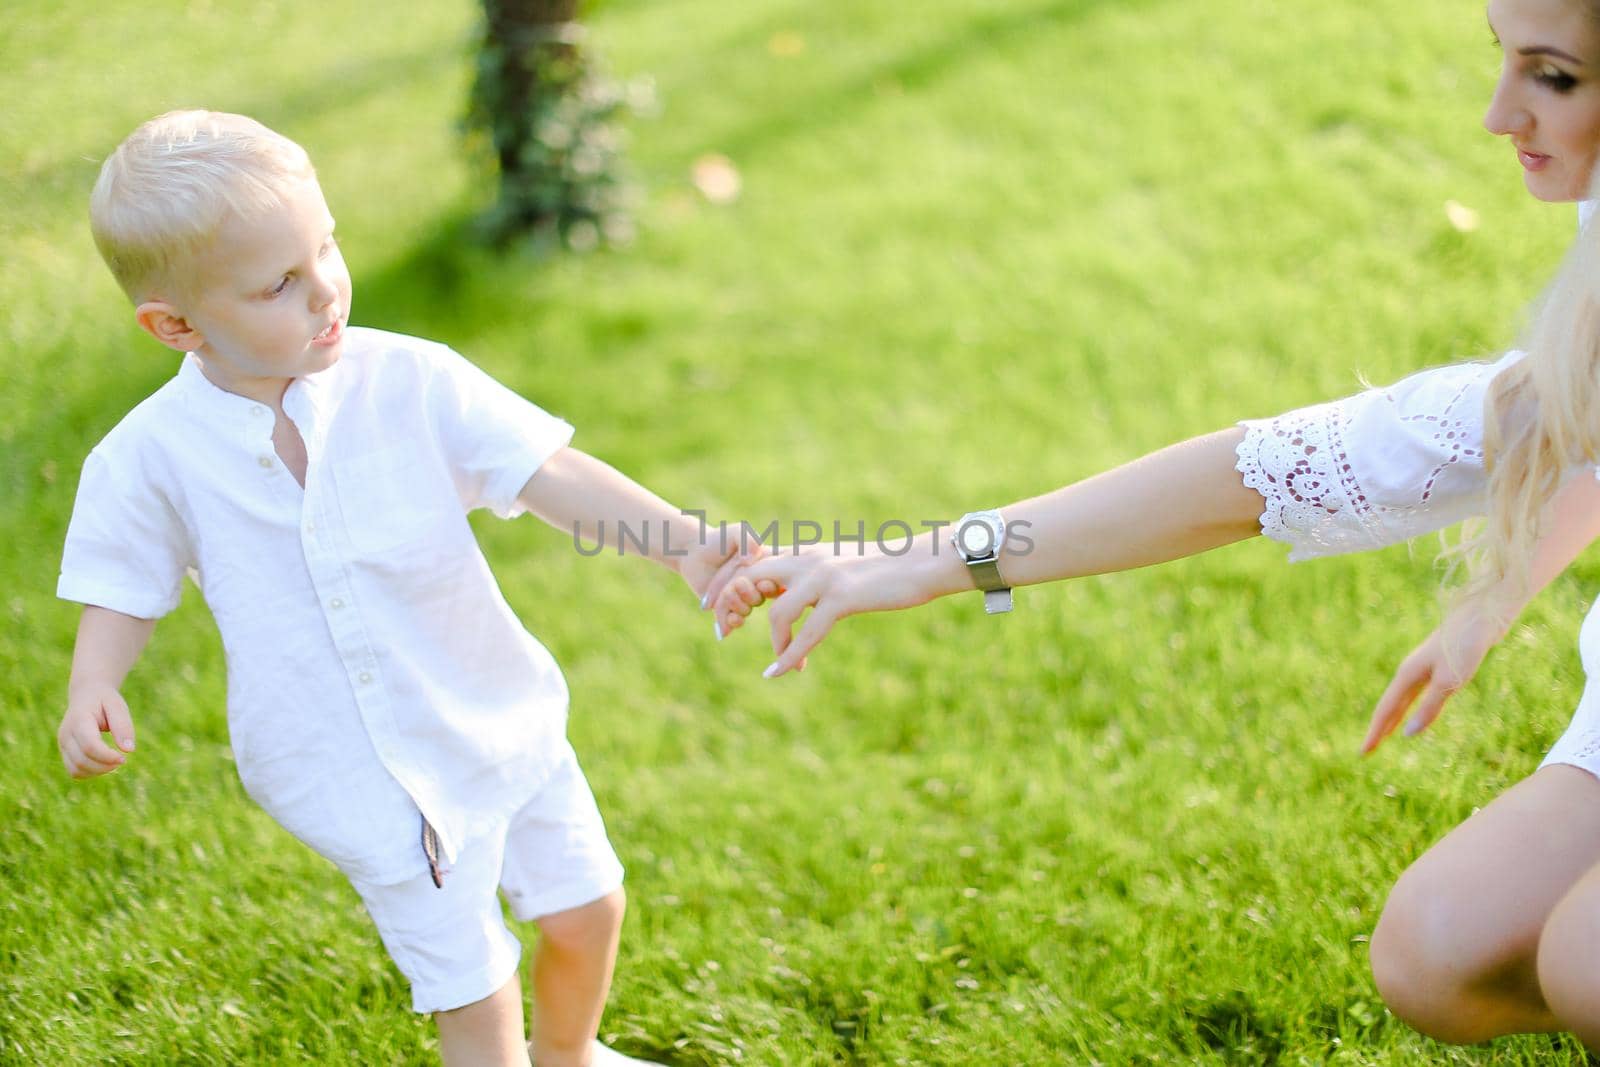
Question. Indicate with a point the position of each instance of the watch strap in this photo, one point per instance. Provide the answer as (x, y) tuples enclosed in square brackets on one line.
[(996, 601), (986, 576)]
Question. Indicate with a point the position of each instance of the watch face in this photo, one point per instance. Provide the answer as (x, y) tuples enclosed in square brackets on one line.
[(978, 538)]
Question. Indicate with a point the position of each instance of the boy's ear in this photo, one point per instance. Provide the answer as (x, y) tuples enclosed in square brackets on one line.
[(161, 320)]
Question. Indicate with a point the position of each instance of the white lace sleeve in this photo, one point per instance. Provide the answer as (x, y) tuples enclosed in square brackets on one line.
[(1376, 468)]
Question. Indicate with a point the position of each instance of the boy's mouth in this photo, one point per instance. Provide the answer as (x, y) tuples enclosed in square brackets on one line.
[(331, 334)]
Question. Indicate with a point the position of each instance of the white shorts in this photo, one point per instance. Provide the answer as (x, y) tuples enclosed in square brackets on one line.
[(1579, 746), (452, 943)]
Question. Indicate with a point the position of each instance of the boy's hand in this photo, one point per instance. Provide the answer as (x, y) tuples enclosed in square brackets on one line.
[(1435, 670), (91, 712), (710, 565)]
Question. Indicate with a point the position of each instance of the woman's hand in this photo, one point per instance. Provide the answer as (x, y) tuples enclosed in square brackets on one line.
[(834, 584), (1434, 671)]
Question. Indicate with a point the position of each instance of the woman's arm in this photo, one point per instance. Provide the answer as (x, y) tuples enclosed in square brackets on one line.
[(1359, 473), (1184, 499), (1449, 657)]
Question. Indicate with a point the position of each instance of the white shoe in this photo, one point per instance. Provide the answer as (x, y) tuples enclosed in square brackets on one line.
[(605, 1056)]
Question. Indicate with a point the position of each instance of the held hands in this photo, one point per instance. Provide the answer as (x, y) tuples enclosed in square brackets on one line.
[(711, 565), (1434, 671), (91, 712), (833, 584)]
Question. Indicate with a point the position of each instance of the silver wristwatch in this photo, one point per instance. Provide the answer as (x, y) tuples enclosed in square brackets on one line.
[(978, 539)]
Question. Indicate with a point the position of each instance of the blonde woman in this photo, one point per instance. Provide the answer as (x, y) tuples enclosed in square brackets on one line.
[(1496, 929)]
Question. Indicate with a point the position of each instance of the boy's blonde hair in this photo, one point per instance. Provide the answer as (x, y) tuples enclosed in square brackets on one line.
[(1541, 419), (170, 185)]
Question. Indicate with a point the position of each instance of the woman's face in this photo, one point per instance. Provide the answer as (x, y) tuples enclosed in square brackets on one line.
[(1547, 101)]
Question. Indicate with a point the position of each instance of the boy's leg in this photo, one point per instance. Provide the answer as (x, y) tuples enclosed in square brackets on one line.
[(488, 1033), (454, 947), (1456, 952), (571, 977)]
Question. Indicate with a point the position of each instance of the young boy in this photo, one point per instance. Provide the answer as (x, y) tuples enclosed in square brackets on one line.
[(384, 704)]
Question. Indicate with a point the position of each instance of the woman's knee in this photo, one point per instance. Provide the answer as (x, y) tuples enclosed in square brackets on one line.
[(1569, 964), (1409, 952), (1439, 969), (595, 923)]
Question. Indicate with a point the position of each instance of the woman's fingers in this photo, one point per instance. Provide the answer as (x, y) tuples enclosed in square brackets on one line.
[(725, 573), (737, 552), (1429, 707), (1391, 707), (754, 583), (793, 655), (785, 612)]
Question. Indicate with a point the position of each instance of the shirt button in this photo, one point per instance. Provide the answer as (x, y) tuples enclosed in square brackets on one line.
[(258, 411), (336, 604), (264, 461), (311, 527), (364, 677)]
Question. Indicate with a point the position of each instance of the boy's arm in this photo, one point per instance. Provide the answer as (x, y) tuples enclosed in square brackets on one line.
[(598, 504), (109, 644), (1448, 658)]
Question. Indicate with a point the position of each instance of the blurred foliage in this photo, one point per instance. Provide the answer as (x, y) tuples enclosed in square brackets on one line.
[(554, 120)]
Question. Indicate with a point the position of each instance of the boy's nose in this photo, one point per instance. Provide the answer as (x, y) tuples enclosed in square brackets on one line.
[(324, 292)]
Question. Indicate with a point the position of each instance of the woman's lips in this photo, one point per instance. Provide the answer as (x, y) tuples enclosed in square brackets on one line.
[(1532, 160)]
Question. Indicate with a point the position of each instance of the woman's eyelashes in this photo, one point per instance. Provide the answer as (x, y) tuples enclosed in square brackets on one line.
[(1546, 74), (1554, 78)]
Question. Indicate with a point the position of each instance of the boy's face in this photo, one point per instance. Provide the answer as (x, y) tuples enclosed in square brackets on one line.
[(270, 300)]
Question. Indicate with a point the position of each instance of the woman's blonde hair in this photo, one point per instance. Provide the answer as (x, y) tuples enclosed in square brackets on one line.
[(168, 187), (1541, 421)]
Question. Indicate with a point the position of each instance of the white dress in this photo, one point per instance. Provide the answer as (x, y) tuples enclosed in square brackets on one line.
[(1389, 464)]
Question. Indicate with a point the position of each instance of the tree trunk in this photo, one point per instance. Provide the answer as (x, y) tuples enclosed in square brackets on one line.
[(538, 55), (531, 52), (555, 124)]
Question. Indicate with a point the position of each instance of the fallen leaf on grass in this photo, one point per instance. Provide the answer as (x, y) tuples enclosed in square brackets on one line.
[(1463, 218), (717, 178), (786, 43)]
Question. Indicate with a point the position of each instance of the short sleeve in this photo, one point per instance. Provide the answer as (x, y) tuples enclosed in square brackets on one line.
[(1373, 469), (494, 439), (125, 547)]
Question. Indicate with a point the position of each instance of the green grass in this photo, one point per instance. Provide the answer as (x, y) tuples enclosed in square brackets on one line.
[(983, 249)]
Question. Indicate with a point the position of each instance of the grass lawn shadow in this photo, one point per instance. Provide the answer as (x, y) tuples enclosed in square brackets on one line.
[(913, 70)]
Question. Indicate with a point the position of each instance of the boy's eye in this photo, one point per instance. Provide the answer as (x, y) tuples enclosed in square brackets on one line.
[(283, 283), (328, 246)]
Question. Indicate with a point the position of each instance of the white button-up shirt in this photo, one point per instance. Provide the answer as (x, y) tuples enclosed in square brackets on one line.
[(375, 671)]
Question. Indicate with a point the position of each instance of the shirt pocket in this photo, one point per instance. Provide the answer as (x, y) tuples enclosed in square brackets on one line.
[(390, 499)]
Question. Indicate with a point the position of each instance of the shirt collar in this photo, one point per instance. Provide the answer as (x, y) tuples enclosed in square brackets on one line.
[(306, 402)]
